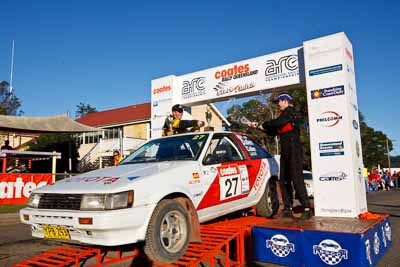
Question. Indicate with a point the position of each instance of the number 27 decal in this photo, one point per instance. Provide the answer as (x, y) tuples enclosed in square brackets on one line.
[(230, 186)]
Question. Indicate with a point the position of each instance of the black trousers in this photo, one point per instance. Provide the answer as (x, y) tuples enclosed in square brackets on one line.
[(291, 172)]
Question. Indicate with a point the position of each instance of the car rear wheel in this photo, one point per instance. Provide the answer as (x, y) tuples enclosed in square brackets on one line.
[(269, 202), (167, 235)]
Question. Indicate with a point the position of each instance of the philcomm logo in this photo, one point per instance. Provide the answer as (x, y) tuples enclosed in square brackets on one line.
[(330, 252), (280, 245), (327, 92), (234, 72), (194, 87), (284, 67), (329, 119), (333, 176), (325, 70)]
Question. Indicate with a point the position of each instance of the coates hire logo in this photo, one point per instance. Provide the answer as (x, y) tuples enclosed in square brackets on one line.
[(194, 87), (333, 177), (161, 90), (234, 72), (284, 67), (329, 119)]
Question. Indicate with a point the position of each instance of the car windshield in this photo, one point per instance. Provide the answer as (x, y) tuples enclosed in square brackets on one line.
[(183, 147)]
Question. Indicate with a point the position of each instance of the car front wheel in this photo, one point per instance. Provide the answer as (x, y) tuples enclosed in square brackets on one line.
[(167, 235), (269, 202)]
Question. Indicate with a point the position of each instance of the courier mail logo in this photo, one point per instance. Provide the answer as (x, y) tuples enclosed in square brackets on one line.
[(18, 189)]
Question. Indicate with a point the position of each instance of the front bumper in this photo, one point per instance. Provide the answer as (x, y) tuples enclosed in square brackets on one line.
[(109, 228)]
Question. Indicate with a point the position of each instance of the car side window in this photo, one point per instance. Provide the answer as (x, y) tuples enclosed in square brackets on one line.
[(255, 150), (222, 149)]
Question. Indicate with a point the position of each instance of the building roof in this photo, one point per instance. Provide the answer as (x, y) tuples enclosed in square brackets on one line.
[(51, 124), (118, 116)]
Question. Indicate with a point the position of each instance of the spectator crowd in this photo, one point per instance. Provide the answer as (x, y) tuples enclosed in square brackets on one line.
[(382, 180)]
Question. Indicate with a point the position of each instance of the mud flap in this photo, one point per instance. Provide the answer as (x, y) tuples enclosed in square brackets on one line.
[(193, 217)]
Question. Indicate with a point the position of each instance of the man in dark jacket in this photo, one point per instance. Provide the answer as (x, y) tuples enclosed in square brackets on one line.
[(291, 161), (176, 125)]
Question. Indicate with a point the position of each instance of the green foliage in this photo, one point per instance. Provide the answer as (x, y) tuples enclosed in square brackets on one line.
[(374, 145), (9, 103), (58, 143), (83, 109)]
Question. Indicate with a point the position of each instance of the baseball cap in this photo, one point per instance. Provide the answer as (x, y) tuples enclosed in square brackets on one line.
[(177, 107), (283, 97)]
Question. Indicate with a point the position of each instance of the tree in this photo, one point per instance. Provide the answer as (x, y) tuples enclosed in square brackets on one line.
[(374, 145), (83, 109), (9, 103)]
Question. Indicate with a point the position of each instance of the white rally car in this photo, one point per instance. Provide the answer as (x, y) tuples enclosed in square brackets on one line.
[(159, 194)]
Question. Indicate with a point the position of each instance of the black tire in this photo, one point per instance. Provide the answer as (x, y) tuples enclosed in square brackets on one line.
[(171, 216), (269, 203)]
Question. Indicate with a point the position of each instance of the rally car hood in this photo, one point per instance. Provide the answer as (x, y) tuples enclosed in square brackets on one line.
[(114, 179)]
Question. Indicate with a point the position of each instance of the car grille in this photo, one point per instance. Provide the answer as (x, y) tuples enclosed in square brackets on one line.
[(60, 201)]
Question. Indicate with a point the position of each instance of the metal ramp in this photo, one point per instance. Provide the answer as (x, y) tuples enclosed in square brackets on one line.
[(225, 242)]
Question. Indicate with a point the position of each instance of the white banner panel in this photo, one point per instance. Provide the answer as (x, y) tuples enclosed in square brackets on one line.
[(334, 130), (240, 78)]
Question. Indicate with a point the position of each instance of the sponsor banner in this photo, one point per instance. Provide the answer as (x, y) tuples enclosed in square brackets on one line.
[(279, 246), (325, 70), (16, 188), (327, 92), (241, 78), (335, 148)]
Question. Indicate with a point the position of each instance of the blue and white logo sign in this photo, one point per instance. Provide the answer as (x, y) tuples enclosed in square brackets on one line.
[(327, 92), (334, 148), (280, 245), (368, 251), (324, 70), (388, 232), (330, 252), (376, 243), (355, 124)]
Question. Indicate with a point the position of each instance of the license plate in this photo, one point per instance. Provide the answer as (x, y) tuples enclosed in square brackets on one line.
[(57, 232)]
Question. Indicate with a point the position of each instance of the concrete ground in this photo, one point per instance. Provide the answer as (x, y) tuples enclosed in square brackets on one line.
[(16, 243)]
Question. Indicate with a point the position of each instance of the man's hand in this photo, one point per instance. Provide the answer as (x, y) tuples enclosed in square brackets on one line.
[(201, 123)]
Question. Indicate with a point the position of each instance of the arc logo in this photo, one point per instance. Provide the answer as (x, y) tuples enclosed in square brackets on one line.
[(286, 66), (329, 118), (280, 245), (330, 252), (194, 87)]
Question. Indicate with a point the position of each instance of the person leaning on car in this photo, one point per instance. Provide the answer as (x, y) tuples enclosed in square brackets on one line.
[(291, 160), (176, 125)]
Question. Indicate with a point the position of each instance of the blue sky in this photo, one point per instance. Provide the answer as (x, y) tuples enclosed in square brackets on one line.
[(105, 53)]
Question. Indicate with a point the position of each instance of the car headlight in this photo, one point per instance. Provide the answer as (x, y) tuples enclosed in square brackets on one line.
[(34, 200), (107, 201)]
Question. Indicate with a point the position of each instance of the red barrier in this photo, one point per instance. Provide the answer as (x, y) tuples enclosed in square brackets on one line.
[(16, 188)]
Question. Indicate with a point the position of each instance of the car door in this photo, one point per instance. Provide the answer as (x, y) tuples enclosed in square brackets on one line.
[(225, 176)]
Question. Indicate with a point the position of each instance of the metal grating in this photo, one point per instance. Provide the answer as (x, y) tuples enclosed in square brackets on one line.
[(60, 201)]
